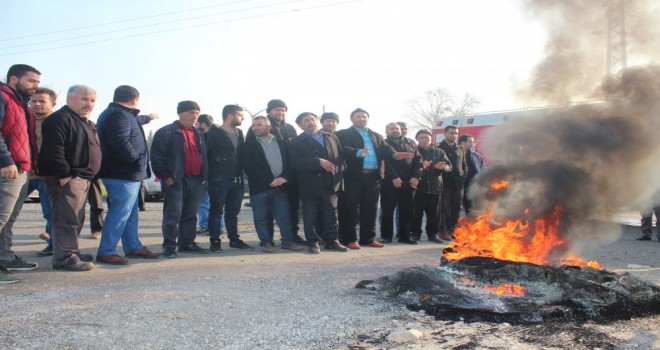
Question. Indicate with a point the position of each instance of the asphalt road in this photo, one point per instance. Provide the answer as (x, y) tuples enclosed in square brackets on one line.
[(236, 299)]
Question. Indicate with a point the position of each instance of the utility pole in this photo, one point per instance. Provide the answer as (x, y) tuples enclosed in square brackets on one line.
[(616, 39)]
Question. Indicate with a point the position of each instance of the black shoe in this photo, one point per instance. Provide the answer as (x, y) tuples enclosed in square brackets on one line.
[(299, 240), (81, 266), (434, 238), (19, 264), (239, 244), (84, 257), (644, 238), (416, 237), (193, 248), (248, 204), (48, 251), (204, 231), (216, 247), (407, 241), (169, 252), (385, 241)]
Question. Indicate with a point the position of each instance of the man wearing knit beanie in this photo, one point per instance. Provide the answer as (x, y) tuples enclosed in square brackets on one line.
[(284, 132), (178, 157), (329, 121)]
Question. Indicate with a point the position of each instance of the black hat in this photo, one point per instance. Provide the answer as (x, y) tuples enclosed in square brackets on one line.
[(329, 115), (272, 104), (423, 131), (185, 106)]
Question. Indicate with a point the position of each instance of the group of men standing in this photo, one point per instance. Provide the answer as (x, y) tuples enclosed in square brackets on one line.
[(337, 177)]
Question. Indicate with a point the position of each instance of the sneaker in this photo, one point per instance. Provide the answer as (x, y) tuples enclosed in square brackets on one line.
[(203, 231), (44, 236), (48, 251), (169, 252), (84, 257), (315, 249), (385, 241), (293, 246), (407, 241), (19, 265), (81, 266), (96, 235), (216, 247), (239, 244), (268, 248), (193, 248), (7, 277)]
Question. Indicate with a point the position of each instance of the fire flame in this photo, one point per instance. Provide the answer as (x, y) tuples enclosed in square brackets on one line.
[(514, 240), (507, 289)]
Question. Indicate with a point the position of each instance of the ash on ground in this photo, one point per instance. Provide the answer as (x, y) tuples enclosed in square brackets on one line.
[(465, 290)]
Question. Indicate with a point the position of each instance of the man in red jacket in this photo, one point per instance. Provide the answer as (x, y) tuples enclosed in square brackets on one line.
[(17, 158)]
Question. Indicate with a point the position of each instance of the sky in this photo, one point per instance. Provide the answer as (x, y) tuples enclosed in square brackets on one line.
[(316, 55)]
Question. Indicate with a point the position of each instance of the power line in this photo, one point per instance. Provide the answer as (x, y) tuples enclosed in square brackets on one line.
[(124, 21), (149, 25), (182, 28)]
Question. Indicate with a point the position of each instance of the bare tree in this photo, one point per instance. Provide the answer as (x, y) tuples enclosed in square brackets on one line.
[(432, 105)]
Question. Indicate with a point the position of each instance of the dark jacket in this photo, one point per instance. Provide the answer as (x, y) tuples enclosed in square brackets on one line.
[(474, 162), (456, 155), (223, 157), (431, 181), (351, 141), (124, 147), (403, 169), (256, 166), (305, 154), (65, 148), (18, 141), (168, 152), (285, 132)]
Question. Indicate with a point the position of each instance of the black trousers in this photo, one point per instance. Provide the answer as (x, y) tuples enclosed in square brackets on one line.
[(362, 193), (391, 197), (95, 199), (450, 209), (429, 204), (327, 207)]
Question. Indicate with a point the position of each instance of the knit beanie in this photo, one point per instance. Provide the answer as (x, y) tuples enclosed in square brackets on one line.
[(423, 131), (185, 106), (272, 104), (329, 115), (303, 115)]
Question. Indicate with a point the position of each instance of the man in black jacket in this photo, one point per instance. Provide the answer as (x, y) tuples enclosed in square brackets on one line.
[(453, 182), (266, 164), (70, 156), (364, 151), (178, 157), (226, 186), (429, 189), (125, 164), (398, 186), (318, 160)]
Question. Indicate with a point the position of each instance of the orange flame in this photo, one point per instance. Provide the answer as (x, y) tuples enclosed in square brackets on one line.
[(514, 240), (497, 185), (507, 289)]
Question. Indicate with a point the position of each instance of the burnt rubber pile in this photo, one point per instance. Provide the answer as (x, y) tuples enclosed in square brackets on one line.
[(486, 289)]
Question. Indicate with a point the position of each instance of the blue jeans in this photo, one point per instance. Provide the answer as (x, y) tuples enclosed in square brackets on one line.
[(180, 206), (226, 198), (12, 194), (204, 206), (38, 184), (121, 220), (276, 202)]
